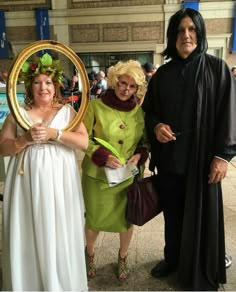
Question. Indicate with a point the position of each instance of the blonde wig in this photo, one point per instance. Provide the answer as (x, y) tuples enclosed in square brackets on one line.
[(132, 69)]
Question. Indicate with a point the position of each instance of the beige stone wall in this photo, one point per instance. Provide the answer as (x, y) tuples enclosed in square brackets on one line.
[(121, 32), (116, 3), (24, 5), (24, 33), (219, 25), (21, 33)]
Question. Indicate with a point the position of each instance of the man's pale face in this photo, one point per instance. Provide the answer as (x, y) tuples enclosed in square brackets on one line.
[(186, 41)]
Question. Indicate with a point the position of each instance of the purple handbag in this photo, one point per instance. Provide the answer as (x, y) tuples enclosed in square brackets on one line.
[(143, 200)]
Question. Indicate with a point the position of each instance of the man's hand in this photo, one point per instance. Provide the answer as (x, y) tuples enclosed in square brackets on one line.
[(164, 133), (218, 170)]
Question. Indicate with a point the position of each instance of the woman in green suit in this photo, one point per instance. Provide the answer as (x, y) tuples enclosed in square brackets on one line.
[(116, 118)]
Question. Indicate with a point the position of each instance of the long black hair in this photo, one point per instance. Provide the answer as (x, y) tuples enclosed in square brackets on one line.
[(172, 32)]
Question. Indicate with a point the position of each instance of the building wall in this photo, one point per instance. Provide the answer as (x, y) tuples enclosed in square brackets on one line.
[(113, 26)]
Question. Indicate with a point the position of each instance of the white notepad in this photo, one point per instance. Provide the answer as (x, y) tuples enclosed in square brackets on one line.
[(120, 174)]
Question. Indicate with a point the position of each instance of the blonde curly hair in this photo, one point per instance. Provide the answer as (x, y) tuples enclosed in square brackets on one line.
[(131, 68)]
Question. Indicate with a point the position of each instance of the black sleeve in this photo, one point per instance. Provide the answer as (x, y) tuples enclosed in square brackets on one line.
[(228, 153), (150, 107)]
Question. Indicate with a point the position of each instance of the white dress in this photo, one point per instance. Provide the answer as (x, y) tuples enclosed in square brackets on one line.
[(43, 219)]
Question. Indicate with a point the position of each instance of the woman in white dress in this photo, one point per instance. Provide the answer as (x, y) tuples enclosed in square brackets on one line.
[(43, 211)]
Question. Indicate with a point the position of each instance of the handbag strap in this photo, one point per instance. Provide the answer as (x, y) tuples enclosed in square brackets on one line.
[(139, 176)]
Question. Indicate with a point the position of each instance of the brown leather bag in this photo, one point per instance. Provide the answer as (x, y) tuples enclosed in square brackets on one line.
[(143, 200)]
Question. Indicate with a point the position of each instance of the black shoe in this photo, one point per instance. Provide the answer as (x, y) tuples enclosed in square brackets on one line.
[(228, 261), (162, 269)]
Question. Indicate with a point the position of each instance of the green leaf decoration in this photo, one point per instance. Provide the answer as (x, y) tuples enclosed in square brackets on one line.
[(37, 71), (110, 148), (46, 60), (25, 67), (43, 65)]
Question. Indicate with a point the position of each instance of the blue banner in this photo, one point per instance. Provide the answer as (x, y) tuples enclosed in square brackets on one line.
[(42, 26), (191, 4), (3, 37), (234, 36)]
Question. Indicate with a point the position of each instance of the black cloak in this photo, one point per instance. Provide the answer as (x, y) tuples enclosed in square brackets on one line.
[(202, 254)]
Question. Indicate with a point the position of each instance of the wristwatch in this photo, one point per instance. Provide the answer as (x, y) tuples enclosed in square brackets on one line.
[(59, 134)]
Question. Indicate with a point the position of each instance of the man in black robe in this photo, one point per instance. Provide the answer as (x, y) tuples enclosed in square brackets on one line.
[(190, 118)]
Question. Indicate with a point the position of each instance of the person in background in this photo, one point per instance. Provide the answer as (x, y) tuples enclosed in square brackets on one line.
[(119, 120), (74, 87), (93, 84), (66, 91), (43, 209), (149, 70), (93, 89), (191, 128), (101, 83), (91, 76), (233, 69), (75, 91), (3, 78)]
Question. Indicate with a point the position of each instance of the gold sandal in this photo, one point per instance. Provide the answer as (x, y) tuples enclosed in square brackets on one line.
[(90, 265), (123, 269)]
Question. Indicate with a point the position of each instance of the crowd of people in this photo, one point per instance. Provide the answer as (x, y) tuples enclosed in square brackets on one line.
[(98, 82), (71, 90), (186, 125)]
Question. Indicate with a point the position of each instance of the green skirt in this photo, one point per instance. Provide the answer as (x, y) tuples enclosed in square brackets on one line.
[(105, 206)]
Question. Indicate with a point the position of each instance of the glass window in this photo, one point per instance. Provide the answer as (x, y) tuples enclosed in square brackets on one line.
[(102, 61)]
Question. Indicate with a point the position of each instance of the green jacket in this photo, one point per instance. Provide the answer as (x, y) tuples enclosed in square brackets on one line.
[(123, 130)]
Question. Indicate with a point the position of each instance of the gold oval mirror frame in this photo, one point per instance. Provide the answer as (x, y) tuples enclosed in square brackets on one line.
[(23, 56)]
